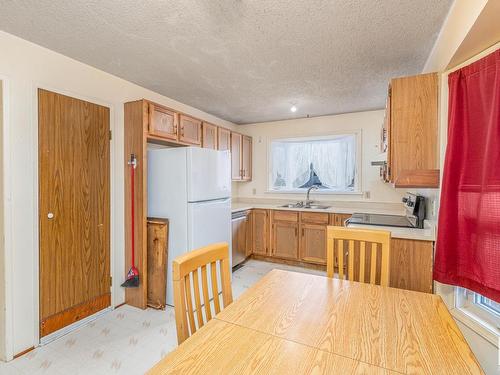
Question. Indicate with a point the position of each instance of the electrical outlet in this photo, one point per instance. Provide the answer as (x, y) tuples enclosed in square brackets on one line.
[(254, 191), (367, 195)]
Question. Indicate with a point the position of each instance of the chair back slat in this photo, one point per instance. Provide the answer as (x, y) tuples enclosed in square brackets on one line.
[(215, 288), (373, 265), (340, 259), (357, 261), (204, 286), (197, 300), (189, 303), (362, 247), (189, 270)]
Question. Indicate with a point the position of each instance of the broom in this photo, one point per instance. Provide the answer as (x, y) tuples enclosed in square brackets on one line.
[(132, 279)]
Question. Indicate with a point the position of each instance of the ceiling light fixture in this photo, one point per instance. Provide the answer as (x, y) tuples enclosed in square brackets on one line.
[(293, 109)]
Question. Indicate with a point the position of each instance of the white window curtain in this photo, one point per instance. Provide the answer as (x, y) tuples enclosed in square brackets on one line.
[(332, 159)]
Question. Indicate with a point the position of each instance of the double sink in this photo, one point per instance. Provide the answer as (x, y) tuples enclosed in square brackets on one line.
[(305, 205)]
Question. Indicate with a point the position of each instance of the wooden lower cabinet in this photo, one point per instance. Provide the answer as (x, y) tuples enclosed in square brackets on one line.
[(313, 243), (411, 264), (285, 237), (339, 219), (300, 238), (260, 232)]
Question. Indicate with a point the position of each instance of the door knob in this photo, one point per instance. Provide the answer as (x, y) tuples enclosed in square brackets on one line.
[(50, 215)]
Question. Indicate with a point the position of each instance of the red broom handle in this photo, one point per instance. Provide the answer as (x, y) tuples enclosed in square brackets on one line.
[(132, 165)]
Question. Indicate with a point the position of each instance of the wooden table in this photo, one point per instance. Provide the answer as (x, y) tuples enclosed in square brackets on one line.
[(299, 323)]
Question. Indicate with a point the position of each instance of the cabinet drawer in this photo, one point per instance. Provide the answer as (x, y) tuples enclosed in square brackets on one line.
[(314, 217), (292, 216)]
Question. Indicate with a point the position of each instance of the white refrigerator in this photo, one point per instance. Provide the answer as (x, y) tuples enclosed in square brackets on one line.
[(191, 187)]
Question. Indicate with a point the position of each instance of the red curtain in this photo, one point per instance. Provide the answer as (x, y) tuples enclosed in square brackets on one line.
[(468, 242)]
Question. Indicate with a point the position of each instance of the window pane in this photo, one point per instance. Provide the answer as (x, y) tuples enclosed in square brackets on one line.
[(328, 163), (489, 304)]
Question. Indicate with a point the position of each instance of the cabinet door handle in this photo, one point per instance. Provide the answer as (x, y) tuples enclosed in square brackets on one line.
[(302, 232), (296, 232)]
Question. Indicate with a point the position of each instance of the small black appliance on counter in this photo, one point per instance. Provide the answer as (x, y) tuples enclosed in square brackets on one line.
[(414, 218)]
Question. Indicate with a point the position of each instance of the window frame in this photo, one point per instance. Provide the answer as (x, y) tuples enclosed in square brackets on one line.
[(464, 310), (313, 137)]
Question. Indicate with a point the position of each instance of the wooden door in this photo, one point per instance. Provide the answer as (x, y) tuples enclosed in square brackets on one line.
[(285, 240), (223, 139), (74, 210), (236, 156), (162, 122), (246, 158), (209, 136), (190, 130), (260, 234), (313, 243)]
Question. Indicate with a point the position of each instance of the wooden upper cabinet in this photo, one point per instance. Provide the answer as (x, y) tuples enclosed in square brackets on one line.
[(162, 122), (236, 170), (223, 139), (246, 158), (190, 130), (412, 132), (209, 136), (260, 234)]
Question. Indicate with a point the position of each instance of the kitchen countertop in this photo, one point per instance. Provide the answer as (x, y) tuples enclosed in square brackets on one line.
[(426, 234)]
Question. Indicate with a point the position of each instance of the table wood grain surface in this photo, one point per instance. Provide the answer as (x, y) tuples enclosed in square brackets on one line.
[(300, 323)]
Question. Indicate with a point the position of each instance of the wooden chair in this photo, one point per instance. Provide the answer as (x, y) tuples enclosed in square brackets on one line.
[(188, 269), (367, 262)]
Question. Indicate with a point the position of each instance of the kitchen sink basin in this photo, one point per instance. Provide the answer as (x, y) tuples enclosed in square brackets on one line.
[(316, 207), (309, 207)]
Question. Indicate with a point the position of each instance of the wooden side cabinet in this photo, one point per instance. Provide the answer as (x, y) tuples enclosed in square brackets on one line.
[(260, 232), (157, 262), (190, 130), (209, 136)]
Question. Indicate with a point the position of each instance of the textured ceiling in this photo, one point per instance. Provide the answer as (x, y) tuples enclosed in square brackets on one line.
[(244, 61)]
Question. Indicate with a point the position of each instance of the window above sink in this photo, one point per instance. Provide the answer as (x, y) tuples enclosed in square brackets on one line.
[(332, 162)]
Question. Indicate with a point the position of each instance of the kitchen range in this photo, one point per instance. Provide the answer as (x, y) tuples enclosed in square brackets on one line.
[(414, 218)]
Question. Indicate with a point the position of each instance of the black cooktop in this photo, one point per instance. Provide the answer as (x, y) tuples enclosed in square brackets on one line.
[(382, 220)]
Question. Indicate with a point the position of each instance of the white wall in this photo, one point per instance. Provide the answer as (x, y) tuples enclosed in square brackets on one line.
[(369, 123), (26, 66)]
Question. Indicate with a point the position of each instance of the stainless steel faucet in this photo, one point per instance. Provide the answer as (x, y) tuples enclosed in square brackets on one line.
[(308, 201)]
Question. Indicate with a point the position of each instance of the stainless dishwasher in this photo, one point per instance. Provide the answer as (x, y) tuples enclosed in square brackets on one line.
[(239, 223)]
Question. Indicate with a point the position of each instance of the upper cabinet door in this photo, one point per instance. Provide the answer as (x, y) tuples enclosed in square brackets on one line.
[(209, 137), (246, 158), (223, 139), (190, 130), (162, 122), (236, 170)]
